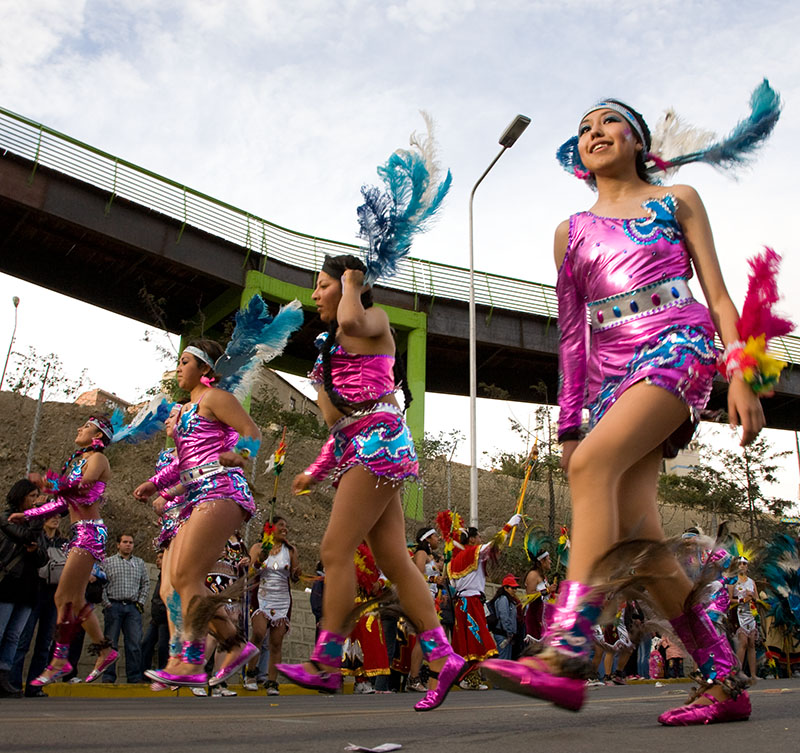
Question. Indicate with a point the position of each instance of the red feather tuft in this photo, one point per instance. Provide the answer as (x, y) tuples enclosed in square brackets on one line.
[(444, 522), (367, 573), (762, 294)]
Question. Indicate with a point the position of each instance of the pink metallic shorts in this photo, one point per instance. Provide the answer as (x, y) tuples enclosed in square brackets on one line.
[(381, 442), (89, 535)]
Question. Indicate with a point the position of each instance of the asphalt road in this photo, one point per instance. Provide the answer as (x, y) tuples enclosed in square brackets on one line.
[(615, 719)]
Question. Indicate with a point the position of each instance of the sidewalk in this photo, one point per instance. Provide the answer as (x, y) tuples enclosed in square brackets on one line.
[(142, 690)]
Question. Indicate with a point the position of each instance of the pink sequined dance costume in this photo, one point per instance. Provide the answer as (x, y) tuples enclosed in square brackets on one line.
[(199, 442), (375, 436), (87, 534), (171, 519), (622, 288)]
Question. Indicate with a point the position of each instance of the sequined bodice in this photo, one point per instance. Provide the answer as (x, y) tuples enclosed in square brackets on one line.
[(611, 256), (87, 495), (75, 470), (201, 440), (357, 378)]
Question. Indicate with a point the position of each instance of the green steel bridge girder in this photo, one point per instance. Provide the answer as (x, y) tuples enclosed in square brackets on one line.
[(411, 328)]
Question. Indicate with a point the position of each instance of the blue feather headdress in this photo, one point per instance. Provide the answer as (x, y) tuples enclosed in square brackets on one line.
[(390, 218), (258, 338), (146, 424), (780, 567), (674, 144)]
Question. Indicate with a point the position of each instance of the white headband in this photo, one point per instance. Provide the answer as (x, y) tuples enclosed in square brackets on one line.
[(108, 432), (625, 112), (543, 555), (202, 355), (427, 534)]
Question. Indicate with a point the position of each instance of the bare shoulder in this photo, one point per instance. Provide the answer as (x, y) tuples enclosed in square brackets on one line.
[(560, 242), (97, 460), (219, 398), (686, 196)]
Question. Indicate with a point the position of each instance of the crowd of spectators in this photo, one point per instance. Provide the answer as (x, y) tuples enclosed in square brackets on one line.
[(33, 554)]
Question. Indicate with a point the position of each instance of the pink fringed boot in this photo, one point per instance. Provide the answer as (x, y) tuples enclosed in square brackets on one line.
[(558, 673), (435, 646), (193, 653), (66, 630), (716, 665), (327, 652)]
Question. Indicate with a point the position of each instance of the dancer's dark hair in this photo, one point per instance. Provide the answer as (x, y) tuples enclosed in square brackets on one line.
[(423, 546), (335, 266), (641, 166), (212, 349)]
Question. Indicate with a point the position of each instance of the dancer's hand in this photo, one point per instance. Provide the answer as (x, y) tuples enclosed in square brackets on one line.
[(744, 409), (353, 279), (231, 460), (16, 517), (514, 520), (39, 480), (159, 503), (567, 448), (302, 483), (145, 491)]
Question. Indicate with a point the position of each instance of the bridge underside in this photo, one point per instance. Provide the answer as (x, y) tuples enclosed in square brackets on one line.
[(64, 234)]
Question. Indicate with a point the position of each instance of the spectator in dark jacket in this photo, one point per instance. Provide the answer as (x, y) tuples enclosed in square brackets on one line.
[(42, 620), (21, 556)]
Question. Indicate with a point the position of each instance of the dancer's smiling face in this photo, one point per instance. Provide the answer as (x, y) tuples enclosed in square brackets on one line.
[(326, 296), (189, 371), (281, 530), (606, 138)]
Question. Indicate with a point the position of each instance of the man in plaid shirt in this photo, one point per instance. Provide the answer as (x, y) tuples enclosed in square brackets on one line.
[(123, 603)]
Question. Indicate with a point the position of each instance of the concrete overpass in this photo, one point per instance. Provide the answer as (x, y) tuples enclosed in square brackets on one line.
[(95, 227)]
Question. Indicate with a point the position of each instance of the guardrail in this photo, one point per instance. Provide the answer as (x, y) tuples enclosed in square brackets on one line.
[(45, 146)]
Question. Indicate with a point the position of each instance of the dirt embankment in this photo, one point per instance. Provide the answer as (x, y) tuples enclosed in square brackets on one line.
[(307, 515)]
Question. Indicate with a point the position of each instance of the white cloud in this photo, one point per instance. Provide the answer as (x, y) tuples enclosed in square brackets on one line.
[(285, 109)]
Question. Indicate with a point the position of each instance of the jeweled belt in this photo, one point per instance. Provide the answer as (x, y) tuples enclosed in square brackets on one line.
[(357, 415), (191, 475), (634, 304)]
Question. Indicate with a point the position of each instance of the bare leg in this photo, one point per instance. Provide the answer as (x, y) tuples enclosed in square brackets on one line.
[(387, 541), (276, 635), (360, 501), (71, 591), (634, 427), (259, 627), (751, 655), (200, 542), (166, 593)]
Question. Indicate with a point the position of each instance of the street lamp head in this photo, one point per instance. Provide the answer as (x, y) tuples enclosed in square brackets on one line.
[(15, 300), (514, 131)]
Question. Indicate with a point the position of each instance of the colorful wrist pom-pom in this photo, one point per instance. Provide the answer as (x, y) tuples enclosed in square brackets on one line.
[(248, 446), (750, 359)]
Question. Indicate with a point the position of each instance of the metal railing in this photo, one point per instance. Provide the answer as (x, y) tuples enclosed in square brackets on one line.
[(119, 178)]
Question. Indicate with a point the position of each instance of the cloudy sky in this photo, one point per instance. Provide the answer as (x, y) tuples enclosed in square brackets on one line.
[(285, 108)]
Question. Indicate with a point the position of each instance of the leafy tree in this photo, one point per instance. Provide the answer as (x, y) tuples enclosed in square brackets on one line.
[(439, 446), (736, 490), (27, 371), (756, 465)]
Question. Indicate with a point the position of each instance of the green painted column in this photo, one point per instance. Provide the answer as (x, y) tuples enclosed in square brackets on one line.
[(415, 416)]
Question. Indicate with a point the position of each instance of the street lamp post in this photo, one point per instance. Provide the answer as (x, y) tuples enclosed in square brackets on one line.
[(15, 301), (507, 140)]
